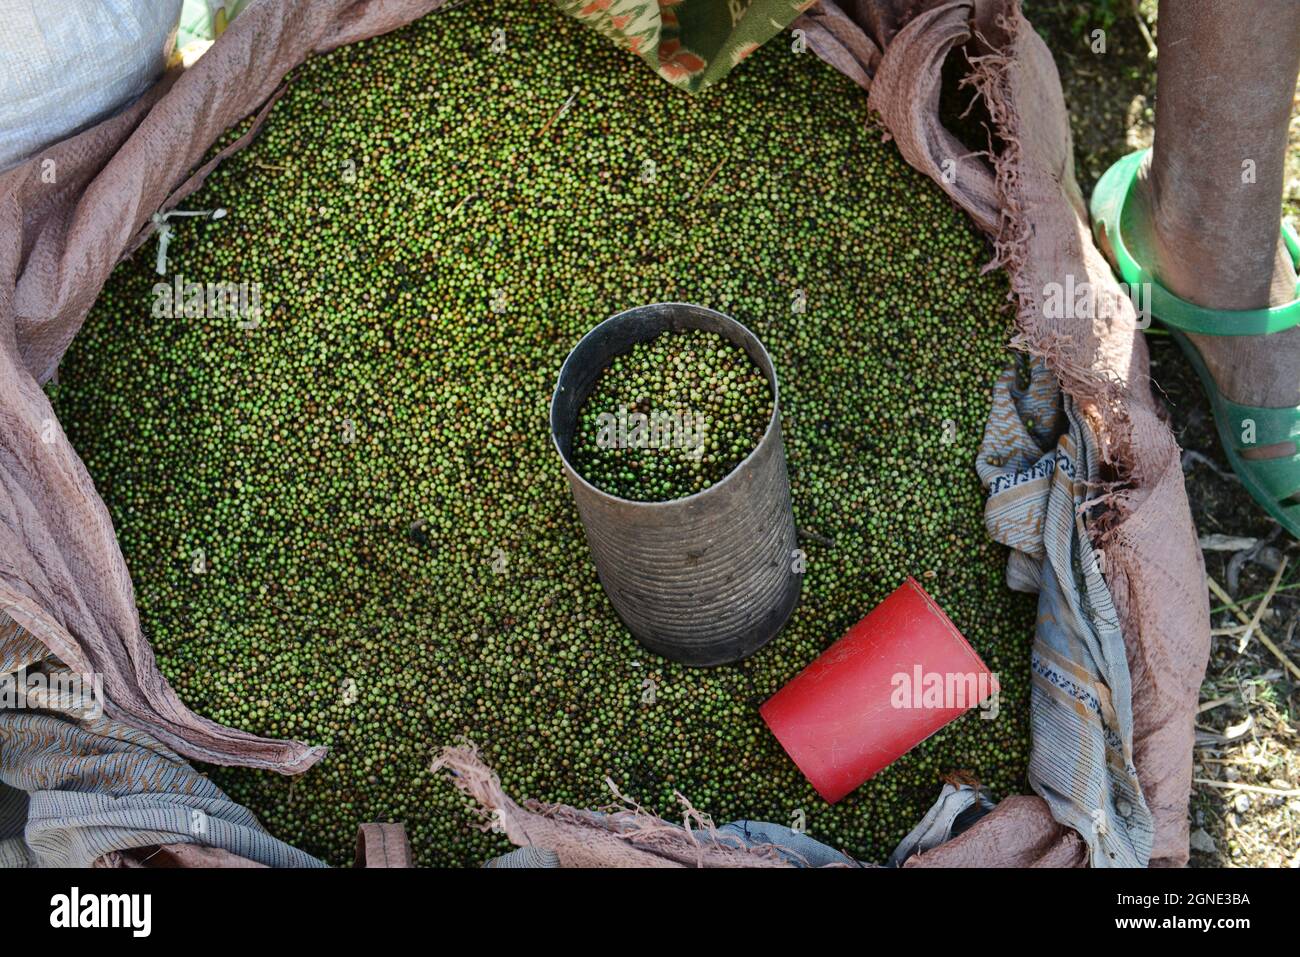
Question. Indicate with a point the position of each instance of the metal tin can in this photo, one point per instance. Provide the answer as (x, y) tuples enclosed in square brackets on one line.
[(707, 579)]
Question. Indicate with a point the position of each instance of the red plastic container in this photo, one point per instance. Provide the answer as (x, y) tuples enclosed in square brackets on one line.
[(896, 677)]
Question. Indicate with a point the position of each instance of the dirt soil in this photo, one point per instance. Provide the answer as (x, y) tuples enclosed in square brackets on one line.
[(1245, 809)]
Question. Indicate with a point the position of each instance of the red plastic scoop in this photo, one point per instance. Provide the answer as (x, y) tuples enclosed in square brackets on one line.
[(896, 677)]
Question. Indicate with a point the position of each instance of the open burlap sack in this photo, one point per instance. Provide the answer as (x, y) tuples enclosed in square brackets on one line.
[(68, 215)]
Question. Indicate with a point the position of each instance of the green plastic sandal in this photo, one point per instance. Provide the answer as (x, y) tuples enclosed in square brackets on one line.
[(1273, 482)]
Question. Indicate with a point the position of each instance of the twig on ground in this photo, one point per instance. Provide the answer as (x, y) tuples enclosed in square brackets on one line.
[(1216, 703), (1209, 736), (1264, 639), (1193, 457), (1262, 607), (1226, 543), (1238, 786), (1255, 597), (1145, 31)]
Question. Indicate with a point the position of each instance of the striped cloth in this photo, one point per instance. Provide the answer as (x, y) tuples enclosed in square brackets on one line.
[(76, 786), (1040, 463)]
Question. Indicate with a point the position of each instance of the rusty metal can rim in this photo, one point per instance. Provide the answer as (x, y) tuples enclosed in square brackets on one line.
[(772, 421)]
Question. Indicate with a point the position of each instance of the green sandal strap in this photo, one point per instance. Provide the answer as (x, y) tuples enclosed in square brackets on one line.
[(1276, 476), (1272, 482), (1107, 206), (1254, 427), (1244, 427)]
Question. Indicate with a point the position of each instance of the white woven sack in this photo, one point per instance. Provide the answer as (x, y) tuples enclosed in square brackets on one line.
[(66, 64)]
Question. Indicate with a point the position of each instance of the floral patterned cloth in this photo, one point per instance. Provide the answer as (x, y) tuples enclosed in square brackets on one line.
[(690, 43)]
